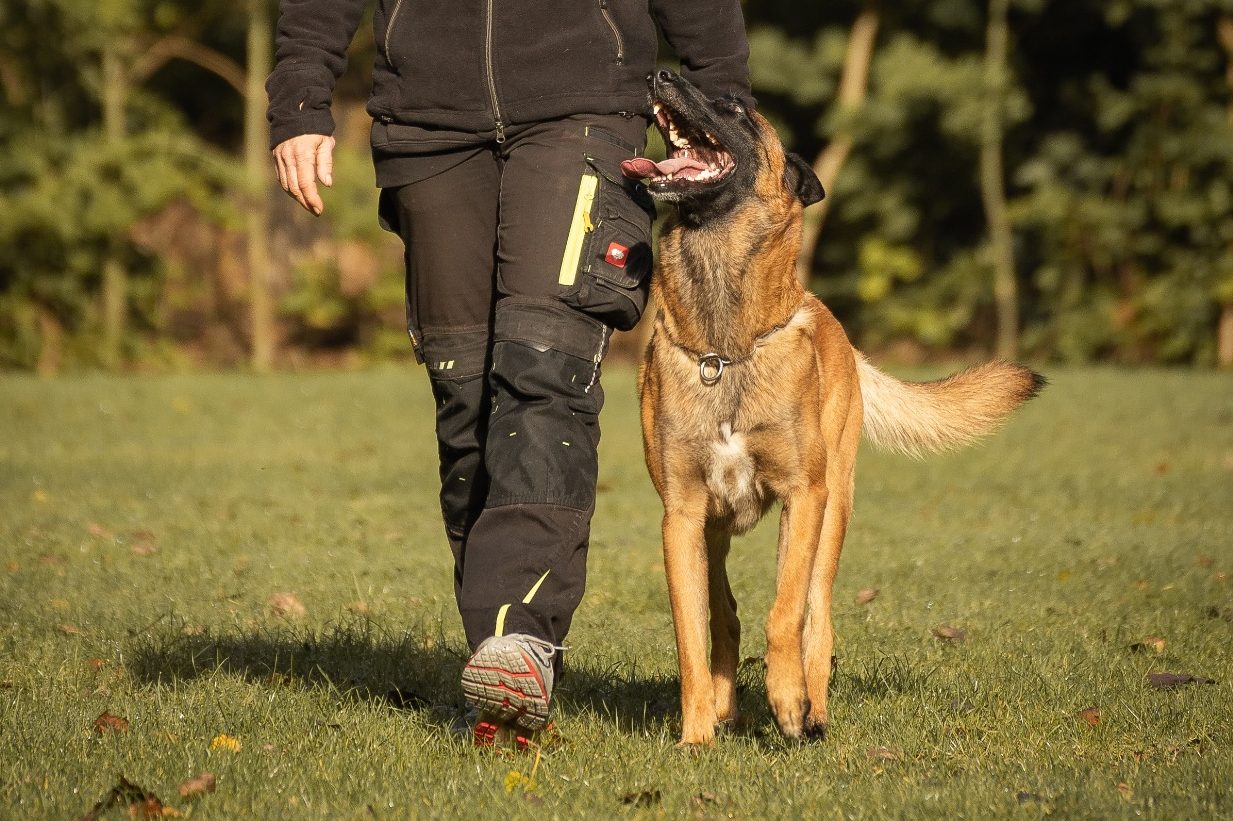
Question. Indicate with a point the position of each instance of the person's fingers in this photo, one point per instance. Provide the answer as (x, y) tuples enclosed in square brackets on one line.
[(306, 174), (325, 161), (293, 180), (281, 170)]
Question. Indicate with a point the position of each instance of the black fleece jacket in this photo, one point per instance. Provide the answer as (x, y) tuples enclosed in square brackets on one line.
[(479, 65)]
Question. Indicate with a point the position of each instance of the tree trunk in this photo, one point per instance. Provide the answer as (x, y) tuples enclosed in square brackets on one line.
[(853, 88), (51, 343), (992, 183), (1224, 330), (257, 167), (1224, 337), (115, 277)]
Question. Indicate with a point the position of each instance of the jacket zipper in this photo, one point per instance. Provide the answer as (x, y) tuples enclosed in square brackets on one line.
[(492, 84), (616, 32), (389, 29)]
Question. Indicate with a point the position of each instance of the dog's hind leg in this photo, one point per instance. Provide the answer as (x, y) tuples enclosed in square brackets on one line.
[(685, 563), (800, 525), (819, 630), (725, 626)]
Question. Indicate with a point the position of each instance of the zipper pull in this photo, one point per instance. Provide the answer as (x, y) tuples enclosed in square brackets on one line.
[(500, 132)]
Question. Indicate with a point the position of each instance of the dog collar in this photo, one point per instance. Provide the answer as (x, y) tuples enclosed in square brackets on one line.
[(711, 364)]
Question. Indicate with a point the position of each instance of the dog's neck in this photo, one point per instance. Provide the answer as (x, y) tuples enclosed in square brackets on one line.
[(722, 284)]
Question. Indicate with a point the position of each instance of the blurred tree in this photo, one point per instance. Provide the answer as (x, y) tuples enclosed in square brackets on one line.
[(993, 182), (257, 173), (76, 175), (126, 217)]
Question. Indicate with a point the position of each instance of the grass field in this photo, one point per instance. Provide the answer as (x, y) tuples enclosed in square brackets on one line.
[(250, 572)]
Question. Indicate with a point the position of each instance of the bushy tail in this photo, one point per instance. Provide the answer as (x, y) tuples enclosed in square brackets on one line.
[(919, 417)]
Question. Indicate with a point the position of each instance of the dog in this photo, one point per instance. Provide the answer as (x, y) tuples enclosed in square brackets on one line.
[(751, 393)]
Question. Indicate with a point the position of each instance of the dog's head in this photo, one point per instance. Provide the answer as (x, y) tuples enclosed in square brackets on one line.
[(719, 153)]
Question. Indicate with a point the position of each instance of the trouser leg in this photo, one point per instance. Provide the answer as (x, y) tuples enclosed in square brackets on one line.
[(525, 569), (573, 256), (448, 223)]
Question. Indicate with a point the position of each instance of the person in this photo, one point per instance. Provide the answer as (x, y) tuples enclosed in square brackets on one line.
[(498, 133)]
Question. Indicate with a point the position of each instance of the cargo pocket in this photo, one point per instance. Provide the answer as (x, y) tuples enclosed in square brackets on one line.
[(606, 267)]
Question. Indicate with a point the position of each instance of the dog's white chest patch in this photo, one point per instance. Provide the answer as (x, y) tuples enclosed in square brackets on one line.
[(731, 479)]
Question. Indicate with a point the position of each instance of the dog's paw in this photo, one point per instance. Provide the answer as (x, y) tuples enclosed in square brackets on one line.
[(790, 714), (696, 742), (815, 729)]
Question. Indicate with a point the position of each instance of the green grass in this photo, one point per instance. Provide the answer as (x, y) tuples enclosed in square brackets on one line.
[(1102, 515)]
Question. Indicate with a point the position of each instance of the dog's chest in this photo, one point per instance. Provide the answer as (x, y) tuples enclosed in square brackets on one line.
[(731, 477)]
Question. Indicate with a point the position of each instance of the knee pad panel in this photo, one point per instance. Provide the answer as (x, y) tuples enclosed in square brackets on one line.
[(544, 426)]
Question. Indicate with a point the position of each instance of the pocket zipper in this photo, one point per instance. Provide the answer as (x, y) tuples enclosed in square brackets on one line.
[(579, 226), (389, 29), (616, 32)]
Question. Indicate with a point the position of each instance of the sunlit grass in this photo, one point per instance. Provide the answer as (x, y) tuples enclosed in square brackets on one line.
[(148, 528)]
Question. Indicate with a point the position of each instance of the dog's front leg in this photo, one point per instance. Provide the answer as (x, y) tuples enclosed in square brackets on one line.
[(799, 528), (685, 563), (725, 626)]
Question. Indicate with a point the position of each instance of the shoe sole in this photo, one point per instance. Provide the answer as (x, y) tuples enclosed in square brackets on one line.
[(504, 685), (497, 735)]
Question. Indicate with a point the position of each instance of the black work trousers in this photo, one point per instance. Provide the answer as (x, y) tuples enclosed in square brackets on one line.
[(521, 256)]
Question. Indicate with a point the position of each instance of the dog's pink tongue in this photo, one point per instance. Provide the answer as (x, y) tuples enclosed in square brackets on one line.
[(640, 167)]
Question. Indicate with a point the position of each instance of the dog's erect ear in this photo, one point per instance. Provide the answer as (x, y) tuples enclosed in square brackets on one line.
[(799, 177)]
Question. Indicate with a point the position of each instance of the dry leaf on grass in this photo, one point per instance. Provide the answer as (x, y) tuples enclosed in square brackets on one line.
[(193, 787), (867, 595), (1125, 790), (948, 633), (69, 629), (1167, 681), (287, 605), (141, 803), (884, 754), (1215, 612), (1091, 715), (1154, 643), (143, 543), (642, 798), (110, 722), (96, 529), (97, 664)]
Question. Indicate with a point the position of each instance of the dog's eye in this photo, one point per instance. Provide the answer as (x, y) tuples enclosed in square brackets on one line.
[(730, 105)]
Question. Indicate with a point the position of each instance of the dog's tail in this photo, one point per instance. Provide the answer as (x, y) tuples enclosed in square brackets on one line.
[(919, 417)]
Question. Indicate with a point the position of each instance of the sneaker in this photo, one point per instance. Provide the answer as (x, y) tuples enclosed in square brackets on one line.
[(509, 680), (501, 736)]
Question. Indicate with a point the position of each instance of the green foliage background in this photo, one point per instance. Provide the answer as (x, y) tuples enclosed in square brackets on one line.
[(1118, 152)]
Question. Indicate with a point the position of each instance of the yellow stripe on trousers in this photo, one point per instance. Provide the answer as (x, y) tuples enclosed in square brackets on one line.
[(579, 225), (525, 600)]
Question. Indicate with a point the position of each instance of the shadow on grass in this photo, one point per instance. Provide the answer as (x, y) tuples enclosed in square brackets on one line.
[(413, 670), (418, 671)]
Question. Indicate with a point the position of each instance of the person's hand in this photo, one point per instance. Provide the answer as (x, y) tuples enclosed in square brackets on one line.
[(301, 161)]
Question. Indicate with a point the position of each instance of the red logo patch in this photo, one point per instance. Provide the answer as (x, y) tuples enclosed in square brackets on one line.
[(617, 255)]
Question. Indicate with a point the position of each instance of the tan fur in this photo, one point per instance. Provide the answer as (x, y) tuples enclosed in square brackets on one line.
[(782, 423)]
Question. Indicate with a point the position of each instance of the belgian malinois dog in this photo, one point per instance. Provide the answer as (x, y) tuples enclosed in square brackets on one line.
[(752, 393)]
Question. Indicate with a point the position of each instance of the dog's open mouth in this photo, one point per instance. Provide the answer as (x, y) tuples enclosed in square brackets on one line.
[(695, 156)]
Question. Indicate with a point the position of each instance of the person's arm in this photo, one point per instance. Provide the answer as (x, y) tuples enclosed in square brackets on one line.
[(709, 37), (310, 56)]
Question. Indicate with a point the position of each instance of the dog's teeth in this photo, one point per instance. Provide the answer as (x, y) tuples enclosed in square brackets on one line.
[(658, 107)]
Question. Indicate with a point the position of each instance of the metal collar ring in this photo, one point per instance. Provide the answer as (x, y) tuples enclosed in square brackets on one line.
[(711, 367)]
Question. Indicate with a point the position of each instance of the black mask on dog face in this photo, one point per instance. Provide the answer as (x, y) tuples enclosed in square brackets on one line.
[(717, 151)]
